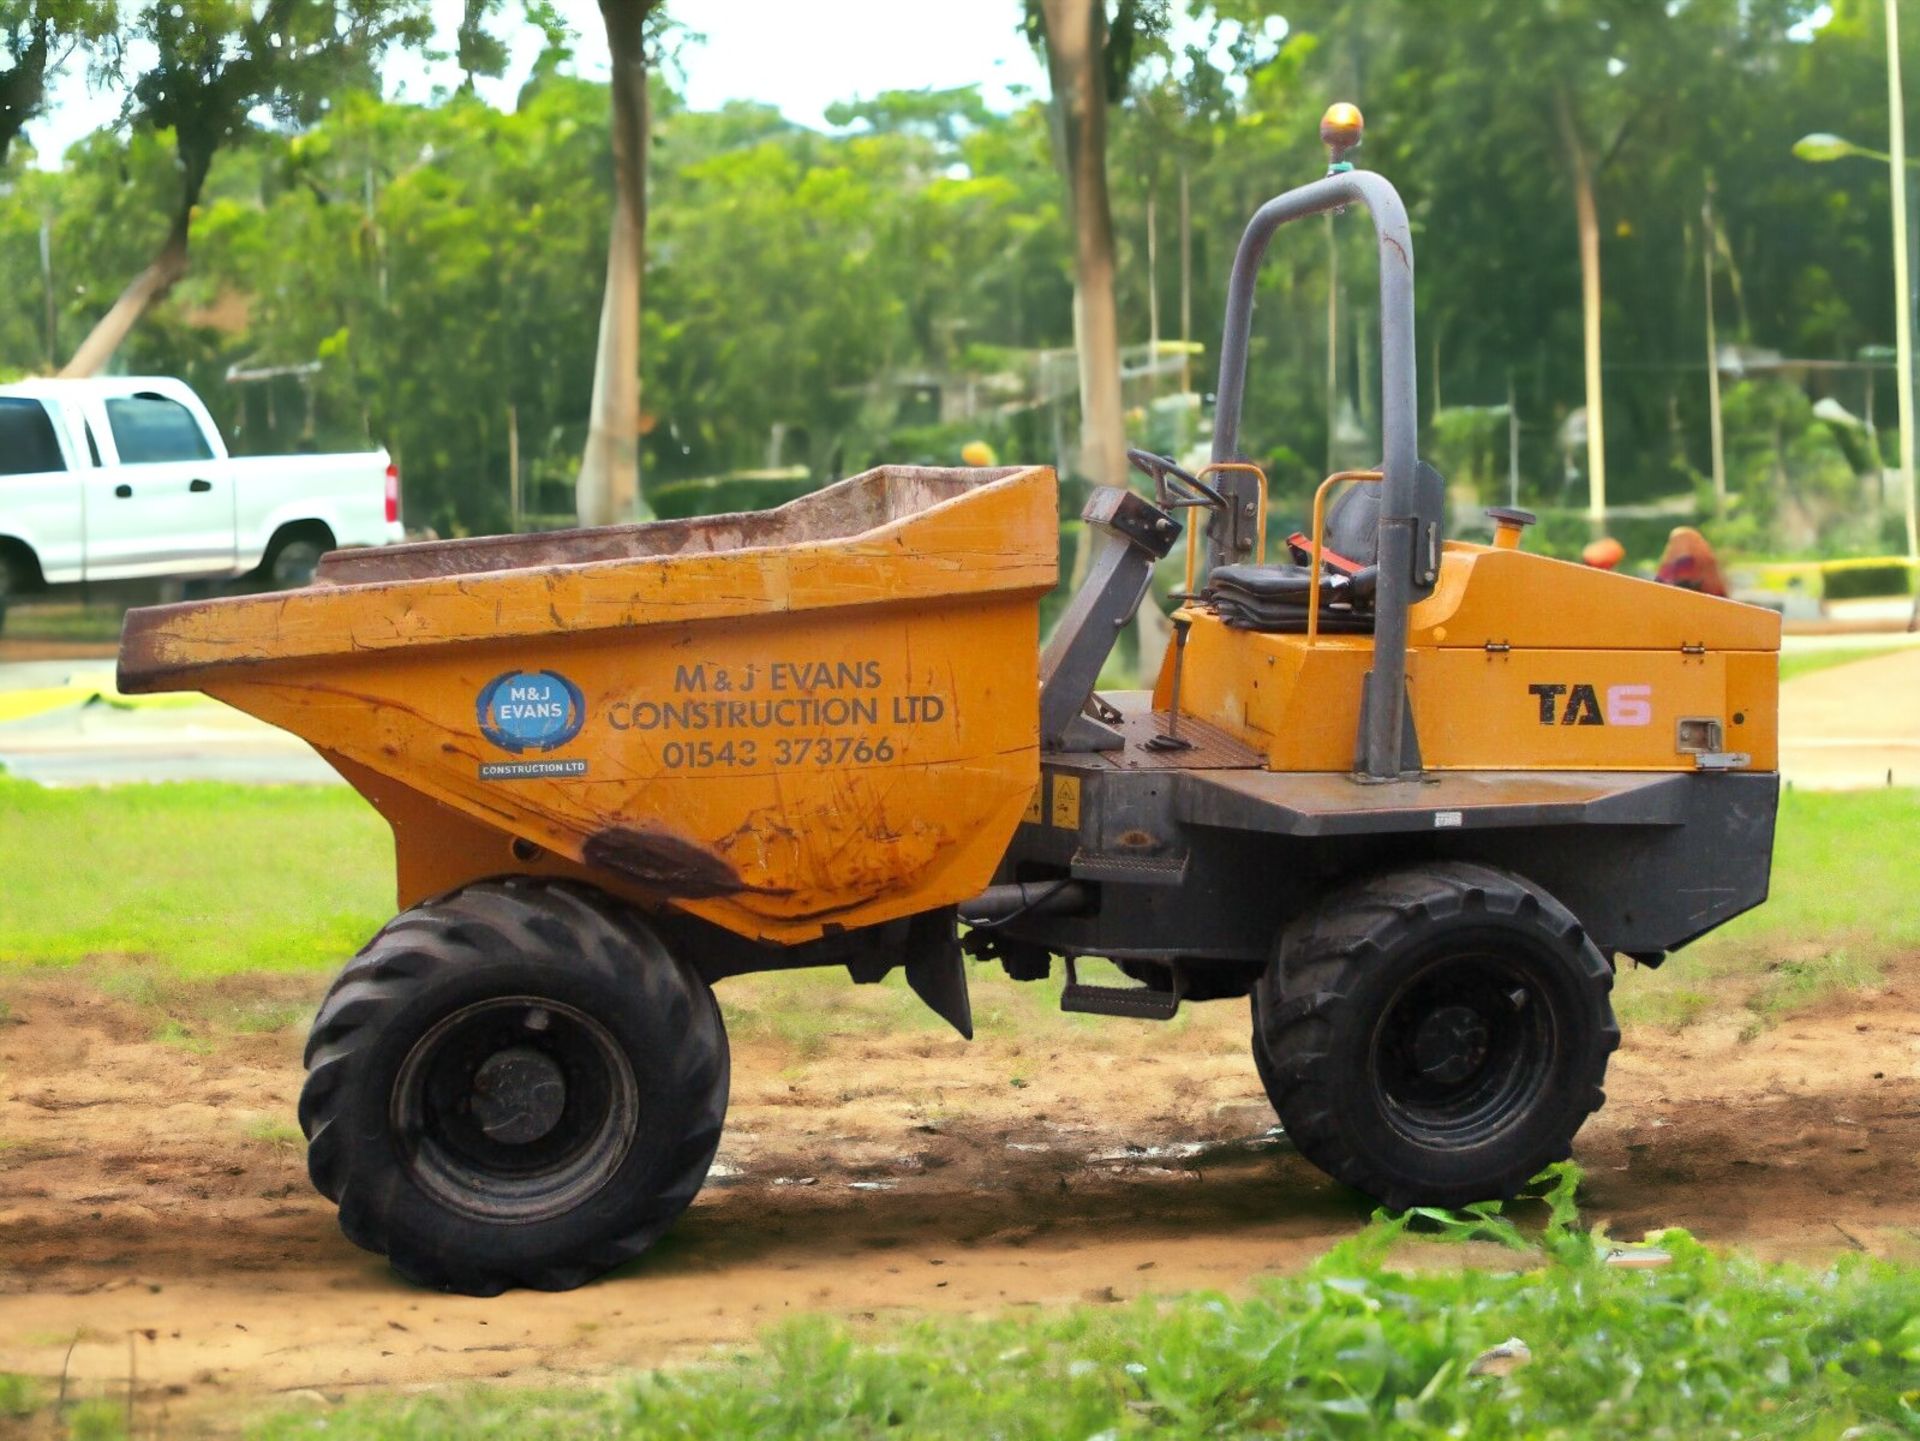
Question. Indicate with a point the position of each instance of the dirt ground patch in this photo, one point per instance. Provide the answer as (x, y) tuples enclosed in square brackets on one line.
[(149, 1188)]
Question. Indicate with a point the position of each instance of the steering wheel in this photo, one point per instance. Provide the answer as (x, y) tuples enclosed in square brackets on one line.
[(1161, 471)]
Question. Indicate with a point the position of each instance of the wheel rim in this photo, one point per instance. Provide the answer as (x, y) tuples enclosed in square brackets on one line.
[(515, 1109), (294, 565), (1464, 1048)]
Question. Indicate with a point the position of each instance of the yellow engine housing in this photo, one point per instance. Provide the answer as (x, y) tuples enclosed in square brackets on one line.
[(1502, 630)]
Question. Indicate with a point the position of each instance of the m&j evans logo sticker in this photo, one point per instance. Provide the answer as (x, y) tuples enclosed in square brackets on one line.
[(531, 710)]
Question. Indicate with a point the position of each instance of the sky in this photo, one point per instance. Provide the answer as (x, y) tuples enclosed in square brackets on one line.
[(800, 55)]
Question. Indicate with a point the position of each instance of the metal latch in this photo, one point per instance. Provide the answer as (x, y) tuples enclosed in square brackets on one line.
[(1700, 737), (1722, 761)]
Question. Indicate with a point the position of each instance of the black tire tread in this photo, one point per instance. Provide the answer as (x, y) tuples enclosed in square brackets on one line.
[(1315, 965), (517, 916)]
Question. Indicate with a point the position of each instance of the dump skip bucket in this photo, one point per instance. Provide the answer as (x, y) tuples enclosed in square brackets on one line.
[(817, 716)]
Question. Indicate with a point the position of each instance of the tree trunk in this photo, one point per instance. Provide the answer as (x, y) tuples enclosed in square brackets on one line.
[(608, 491), (1076, 48), (151, 285), (1076, 40), (1587, 216)]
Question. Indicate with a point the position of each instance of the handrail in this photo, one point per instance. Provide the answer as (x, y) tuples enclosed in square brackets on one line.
[(1384, 714), (1193, 531), (1319, 527)]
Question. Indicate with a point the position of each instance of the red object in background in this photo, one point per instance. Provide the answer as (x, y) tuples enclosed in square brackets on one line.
[(393, 492), (1689, 563), (1604, 554)]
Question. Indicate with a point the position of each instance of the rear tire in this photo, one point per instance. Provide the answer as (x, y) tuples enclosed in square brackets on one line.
[(1435, 1036), (291, 563), (513, 1085)]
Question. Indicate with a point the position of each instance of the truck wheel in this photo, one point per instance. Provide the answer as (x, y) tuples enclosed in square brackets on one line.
[(1437, 1035), (513, 1085), (292, 563)]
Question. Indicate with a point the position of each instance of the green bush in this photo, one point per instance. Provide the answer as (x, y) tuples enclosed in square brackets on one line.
[(19, 1396), (1855, 579)]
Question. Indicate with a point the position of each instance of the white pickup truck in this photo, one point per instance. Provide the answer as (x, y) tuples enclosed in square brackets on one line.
[(125, 477)]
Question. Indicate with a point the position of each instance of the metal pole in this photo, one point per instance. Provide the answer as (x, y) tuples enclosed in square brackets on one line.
[(1186, 286), (513, 468), (1902, 280), (1153, 299), (1333, 344), (1715, 429), (1513, 445)]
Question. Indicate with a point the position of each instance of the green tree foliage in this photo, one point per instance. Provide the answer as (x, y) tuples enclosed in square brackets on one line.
[(217, 63), (36, 38), (444, 262), (477, 48)]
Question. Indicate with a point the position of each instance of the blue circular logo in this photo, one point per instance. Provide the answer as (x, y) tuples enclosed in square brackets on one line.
[(531, 710)]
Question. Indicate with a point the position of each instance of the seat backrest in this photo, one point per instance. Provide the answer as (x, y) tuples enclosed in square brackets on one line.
[(1353, 522)]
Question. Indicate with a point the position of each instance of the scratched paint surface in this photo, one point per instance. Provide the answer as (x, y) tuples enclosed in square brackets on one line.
[(684, 726)]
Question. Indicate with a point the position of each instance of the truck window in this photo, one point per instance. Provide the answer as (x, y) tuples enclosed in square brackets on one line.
[(28, 445), (151, 430)]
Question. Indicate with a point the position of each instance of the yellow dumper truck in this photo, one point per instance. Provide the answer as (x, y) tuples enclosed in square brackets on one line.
[(1413, 796)]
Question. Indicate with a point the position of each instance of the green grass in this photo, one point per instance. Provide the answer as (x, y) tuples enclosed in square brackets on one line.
[(206, 879), (183, 1037), (1642, 1000), (274, 1132), (1710, 1346), (19, 1396), (1805, 662), (165, 884), (1792, 985), (1843, 872), (1844, 902), (32, 621)]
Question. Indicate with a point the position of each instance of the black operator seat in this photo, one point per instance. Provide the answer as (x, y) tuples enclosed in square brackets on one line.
[(1274, 597)]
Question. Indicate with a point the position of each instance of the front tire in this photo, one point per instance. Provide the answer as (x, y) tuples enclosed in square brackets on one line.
[(1435, 1036), (513, 1085)]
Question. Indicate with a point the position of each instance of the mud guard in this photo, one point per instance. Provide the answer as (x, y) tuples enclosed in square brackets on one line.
[(936, 971)]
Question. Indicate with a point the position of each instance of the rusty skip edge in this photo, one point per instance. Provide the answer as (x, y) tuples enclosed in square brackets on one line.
[(865, 505), (143, 667), (845, 510)]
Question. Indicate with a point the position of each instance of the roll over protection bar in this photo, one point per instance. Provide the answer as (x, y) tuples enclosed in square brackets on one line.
[(1409, 541)]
